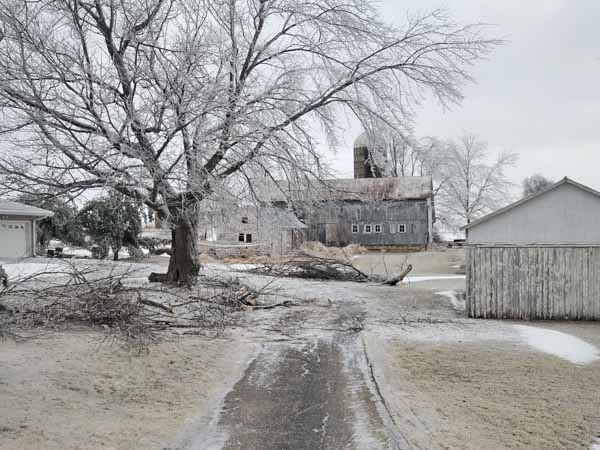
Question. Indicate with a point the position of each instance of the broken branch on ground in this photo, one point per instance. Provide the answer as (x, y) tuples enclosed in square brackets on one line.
[(313, 266)]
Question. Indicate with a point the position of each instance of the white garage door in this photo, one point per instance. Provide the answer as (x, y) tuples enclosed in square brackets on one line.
[(13, 239)]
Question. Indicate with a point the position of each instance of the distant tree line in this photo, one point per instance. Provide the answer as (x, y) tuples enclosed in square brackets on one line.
[(469, 180), (535, 183)]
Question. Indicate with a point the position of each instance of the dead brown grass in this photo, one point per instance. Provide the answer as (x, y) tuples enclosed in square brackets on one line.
[(498, 397), (66, 391), (323, 251)]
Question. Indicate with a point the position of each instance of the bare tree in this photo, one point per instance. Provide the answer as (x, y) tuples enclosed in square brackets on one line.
[(535, 183), (474, 185), (164, 100), (400, 154)]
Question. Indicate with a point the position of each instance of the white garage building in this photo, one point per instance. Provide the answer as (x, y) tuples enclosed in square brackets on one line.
[(17, 228)]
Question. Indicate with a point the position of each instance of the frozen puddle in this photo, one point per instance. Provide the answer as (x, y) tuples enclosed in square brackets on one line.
[(433, 278), (559, 344)]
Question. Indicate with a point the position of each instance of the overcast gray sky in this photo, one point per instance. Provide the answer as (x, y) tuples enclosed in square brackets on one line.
[(537, 95)]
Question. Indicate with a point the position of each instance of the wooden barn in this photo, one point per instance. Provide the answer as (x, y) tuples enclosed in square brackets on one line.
[(374, 212), (538, 258)]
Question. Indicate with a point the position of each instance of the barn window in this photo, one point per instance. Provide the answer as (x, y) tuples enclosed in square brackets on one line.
[(244, 220), (368, 228), (247, 238), (401, 228), (355, 228), (378, 228)]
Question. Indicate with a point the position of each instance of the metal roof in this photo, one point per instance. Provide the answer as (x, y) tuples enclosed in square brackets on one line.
[(279, 217), (9, 208), (357, 189), (500, 211)]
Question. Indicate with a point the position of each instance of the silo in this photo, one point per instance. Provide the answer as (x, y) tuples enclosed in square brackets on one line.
[(364, 166)]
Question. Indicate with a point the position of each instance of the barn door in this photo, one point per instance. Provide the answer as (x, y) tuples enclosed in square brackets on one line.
[(322, 233)]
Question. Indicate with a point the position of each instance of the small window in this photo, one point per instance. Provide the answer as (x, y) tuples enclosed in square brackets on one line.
[(241, 237), (244, 220), (355, 228), (392, 228), (368, 228), (248, 238), (378, 228), (401, 228)]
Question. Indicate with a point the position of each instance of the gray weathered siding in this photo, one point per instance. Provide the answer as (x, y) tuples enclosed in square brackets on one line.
[(267, 237), (565, 215), (534, 282), (331, 222)]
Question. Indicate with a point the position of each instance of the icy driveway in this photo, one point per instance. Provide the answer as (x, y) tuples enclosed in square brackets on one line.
[(327, 373)]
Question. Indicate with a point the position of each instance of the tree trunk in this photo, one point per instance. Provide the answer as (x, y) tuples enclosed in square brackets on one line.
[(184, 263), (104, 247), (115, 253)]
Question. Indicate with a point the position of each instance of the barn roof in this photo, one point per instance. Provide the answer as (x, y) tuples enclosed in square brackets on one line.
[(279, 217), (9, 208), (501, 211), (357, 189)]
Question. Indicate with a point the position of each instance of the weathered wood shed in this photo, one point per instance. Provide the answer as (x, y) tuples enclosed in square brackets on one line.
[(538, 258)]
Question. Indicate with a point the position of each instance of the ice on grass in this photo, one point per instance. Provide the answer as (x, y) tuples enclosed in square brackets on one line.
[(458, 305), (559, 344)]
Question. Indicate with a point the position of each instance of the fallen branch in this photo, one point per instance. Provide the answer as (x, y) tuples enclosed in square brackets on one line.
[(310, 266), (130, 315), (398, 278), (286, 303), (155, 277), (154, 304)]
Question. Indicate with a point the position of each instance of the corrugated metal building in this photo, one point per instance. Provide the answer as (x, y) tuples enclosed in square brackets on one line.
[(538, 258)]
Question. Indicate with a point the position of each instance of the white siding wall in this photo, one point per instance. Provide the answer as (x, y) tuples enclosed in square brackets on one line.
[(564, 215)]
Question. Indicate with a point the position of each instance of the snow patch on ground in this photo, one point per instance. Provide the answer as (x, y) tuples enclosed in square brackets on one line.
[(559, 344), (433, 278), (78, 252), (18, 271), (243, 266), (459, 305)]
